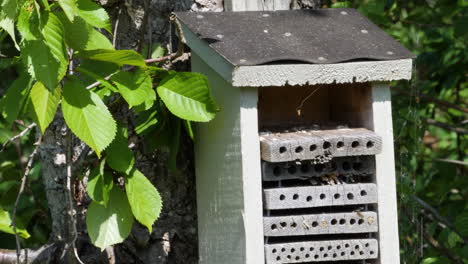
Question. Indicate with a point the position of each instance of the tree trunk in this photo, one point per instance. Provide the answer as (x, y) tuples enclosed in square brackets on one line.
[(174, 236)]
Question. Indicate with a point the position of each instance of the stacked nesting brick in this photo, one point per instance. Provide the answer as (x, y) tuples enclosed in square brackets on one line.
[(320, 196)]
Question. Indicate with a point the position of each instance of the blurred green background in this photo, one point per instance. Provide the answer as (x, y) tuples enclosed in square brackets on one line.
[(430, 126)]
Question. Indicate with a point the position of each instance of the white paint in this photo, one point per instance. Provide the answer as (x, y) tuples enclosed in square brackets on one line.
[(256, 5), (310, 74), (228, 174), (381, 120)]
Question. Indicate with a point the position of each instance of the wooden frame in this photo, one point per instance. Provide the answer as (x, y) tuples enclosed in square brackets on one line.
[(229, 188)]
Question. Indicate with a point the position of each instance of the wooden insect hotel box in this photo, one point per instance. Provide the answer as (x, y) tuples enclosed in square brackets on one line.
[(298, 166)]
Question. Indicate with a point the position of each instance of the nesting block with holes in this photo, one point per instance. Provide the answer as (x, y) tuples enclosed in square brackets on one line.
[(298, 165)]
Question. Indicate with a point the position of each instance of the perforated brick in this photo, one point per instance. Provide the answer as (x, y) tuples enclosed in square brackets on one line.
[(357, 165), (309, 144), (337, 223), (315, 196), (334, 250)]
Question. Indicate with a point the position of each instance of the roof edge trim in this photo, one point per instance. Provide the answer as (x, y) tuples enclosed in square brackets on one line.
[(311, 74)]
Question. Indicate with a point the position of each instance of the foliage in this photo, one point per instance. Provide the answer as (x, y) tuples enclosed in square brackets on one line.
[(436, 31), (60, 51)]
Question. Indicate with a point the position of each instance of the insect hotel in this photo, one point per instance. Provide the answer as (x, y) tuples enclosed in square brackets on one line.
[(298, 166)]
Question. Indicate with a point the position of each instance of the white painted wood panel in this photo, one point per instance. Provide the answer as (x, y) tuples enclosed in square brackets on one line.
[(228, 174), (381, 121)]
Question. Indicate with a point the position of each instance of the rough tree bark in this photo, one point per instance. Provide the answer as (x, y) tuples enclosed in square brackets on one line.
[(174, 237)]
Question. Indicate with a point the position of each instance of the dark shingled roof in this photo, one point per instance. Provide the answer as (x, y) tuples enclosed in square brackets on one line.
[(308, 36)]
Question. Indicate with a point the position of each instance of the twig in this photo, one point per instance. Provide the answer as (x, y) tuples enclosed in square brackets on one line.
[(18, 196), (116, 27), (434, 243), (299, 108), (437, 216), (458, 130), (71, 209), (44, 254), (456, 162), (428, 98), (21, 134)]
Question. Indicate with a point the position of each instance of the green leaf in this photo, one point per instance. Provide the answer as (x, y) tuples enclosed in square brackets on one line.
[(187, 95), (70, 8), (100, 79), (44, 104), (112, 224), (119, 57), (145, 121), (8, 11), (79, 35), (5, 221), (136, 87), (156, 52), (144, 199), (87, 116), (99, 185), (28, 23), (189, 128), (461, 223), (46, 58), (14, 99), (53, 35), (453, 238), (341, 4), (119, 156), (94, 14)]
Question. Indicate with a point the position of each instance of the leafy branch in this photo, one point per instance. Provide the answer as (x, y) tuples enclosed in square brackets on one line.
[(72, 70)]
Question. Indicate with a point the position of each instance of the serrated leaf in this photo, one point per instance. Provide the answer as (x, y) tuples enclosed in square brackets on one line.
[(100, 79), (94, 14), (28, 23), (187, 95), (135, 87), (44, 104), (8, 11), (5, 221), (112, 224), (69, 7), (144, 199), (99, 185), (87, 116), (41, 64), (119, 156), (119, 57), (53, 36), (46, 58), (14, 99), (79, 35)]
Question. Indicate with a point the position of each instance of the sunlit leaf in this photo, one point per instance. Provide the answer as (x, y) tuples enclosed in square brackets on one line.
[(112, 224), (44, 104), (144, 199)]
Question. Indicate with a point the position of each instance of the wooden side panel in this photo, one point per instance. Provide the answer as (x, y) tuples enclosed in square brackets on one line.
[(381, 120), (229, 194)]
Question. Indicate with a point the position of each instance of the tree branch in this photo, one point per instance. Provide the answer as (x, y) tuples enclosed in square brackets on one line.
[(456, 162), (436, 101), (437, 216), (44, 254), (458, 130), (173, 56), (21, 134), (20, 192)]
